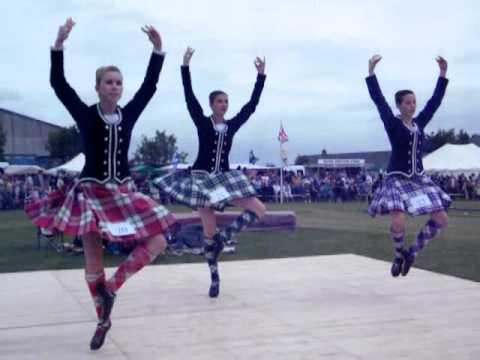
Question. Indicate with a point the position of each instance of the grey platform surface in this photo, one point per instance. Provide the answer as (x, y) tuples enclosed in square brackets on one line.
[(321, 307)]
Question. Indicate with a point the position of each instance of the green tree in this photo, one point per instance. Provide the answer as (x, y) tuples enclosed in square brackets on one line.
[(182, 156), (435, 140), (3, 141), (64, 144), (159, 150), (301, 160), (463, 137)]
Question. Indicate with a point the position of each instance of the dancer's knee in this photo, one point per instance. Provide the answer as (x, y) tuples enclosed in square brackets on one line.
[(398, 222), (260, 210), (157, 245), (441, 218)]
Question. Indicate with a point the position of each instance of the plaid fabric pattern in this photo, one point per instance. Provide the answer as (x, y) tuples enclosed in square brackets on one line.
[(89, 206), (397, 192), (137, 259), (194, 188)]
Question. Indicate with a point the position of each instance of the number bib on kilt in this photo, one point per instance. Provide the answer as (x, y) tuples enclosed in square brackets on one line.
[(121, 228), (218, 195), (420, 201)]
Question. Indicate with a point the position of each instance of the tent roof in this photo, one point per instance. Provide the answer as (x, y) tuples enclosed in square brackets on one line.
[(452, 157), (249, 166), (73, 166), (22, 169)]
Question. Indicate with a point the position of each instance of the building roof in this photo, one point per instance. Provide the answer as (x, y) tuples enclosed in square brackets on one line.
[(373, 159), (10, 112)]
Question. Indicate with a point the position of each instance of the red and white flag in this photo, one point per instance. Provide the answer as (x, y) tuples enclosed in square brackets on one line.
[(282, 135), (283, 138)]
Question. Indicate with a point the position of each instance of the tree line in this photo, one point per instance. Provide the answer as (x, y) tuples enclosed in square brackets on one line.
[(161, 148), (158, 150)]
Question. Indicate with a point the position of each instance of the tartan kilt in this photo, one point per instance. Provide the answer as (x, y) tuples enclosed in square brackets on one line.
[(195, 188), (396, 193), (92, 207)]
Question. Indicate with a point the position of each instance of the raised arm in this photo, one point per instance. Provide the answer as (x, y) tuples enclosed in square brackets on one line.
[(146, 91), (433, 104), (383, 108), (63, 90), (249, 108), (193, 106)]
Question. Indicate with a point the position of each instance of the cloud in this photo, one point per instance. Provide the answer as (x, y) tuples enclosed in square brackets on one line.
[(316, 51), (9, 95)]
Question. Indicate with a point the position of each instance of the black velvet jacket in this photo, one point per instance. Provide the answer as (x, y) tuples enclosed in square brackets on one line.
[(407, 145), (106, 146), (214, 146)]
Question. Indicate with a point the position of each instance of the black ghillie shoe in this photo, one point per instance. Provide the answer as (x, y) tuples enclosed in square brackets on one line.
[(99, 336), (409, 260), (214, 288), (396, 266)]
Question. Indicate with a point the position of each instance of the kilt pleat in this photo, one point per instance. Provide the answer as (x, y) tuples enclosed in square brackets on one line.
[(197, 189), (89, 206), (398, 193)]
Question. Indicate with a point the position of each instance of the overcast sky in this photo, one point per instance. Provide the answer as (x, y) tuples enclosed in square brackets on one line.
[(316, 52)]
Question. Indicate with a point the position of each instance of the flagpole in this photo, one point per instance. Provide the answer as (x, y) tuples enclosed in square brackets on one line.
[(281, 178), (282, 137)]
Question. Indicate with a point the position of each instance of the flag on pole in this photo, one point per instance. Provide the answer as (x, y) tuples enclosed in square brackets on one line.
[(252, 159), (282, 135), (283, 138)]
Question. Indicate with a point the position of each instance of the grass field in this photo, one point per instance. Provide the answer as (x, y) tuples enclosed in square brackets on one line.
[(323, 229)]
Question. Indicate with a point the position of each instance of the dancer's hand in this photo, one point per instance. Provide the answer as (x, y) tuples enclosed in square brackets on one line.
[(374, 60), (260, 65), (188, 56), (443, 65), (153, 36), (63, 32)]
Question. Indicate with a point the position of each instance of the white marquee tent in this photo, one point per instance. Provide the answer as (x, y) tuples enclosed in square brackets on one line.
[(454, 159), (73, 166), (22, 169)]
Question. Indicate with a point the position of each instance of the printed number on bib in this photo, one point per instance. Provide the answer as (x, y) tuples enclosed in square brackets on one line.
[(121, 228), (420, 201), (219, 194)]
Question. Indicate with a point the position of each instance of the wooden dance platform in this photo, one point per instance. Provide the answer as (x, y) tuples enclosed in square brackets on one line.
[(322, 307)]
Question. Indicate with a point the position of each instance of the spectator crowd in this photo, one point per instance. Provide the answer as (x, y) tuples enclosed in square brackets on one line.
[(321, 185)]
